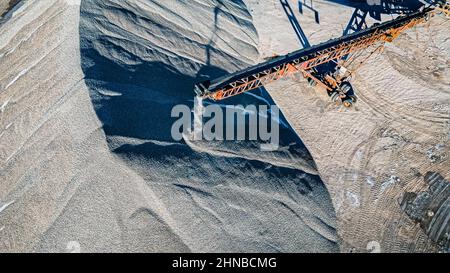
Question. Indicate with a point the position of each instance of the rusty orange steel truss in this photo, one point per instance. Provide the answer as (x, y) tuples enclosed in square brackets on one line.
[(320, 57)]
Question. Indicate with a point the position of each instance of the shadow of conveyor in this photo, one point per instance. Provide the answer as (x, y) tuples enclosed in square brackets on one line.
[(134, 104), (147, 92), (295, 24), (375, 9)]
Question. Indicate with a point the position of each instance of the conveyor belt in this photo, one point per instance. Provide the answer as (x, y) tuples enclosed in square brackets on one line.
[(258, 75)]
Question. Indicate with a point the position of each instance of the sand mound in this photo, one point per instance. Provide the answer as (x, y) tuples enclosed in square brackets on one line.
[(89, 164)]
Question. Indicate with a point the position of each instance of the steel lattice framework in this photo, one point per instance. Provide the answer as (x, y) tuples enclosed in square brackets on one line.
[(271, 71)]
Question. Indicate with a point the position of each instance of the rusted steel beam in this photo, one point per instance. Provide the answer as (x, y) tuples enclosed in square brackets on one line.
[(327, 52)]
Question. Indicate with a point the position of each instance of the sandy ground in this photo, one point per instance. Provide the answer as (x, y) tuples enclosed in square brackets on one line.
[(87, 163), (86, 160), (371, 155)]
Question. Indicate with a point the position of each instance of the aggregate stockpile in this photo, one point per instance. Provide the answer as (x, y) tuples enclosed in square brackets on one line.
[(86, 158), (86, 166)]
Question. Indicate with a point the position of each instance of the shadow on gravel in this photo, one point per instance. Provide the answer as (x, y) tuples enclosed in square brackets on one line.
[(134, 103)]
